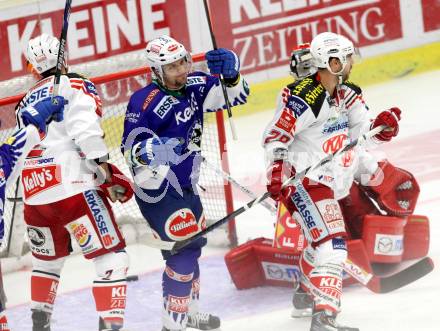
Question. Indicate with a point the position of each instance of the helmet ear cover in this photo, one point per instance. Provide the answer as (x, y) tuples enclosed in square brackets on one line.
[(34, 72), (30, 68)]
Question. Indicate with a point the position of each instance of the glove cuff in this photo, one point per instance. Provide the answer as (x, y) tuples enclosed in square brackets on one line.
[(29, 117), (280, 154), (136, 153), (231, 82)]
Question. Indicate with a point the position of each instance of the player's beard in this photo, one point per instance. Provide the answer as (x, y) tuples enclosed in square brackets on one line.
[(176, 83)]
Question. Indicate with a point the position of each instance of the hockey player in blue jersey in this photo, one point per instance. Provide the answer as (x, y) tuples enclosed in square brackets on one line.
[(162, 142), (12, 154)]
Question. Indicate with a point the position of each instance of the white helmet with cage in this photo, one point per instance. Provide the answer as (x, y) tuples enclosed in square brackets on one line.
[(329, 45), (301, 62), (164, 50), (42, 53)]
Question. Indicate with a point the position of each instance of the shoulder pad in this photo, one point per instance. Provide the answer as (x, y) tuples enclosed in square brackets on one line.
[(353, 86), (311, 91), (78, 81)]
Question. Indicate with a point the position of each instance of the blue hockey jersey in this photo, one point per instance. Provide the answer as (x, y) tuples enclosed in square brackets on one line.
[(154, 112), (12, 153)]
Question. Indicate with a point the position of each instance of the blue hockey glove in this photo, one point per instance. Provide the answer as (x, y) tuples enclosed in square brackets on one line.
[(43, 112), (159, 151), (223, 61)]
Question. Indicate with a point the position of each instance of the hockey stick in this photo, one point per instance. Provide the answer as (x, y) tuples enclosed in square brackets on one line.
[(385, 284), (245, 190), (375, 283), (222, 82), (180, 244), (61, 50), (14, 207)]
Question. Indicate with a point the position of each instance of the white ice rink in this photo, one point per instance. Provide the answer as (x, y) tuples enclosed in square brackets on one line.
[(412, 308)]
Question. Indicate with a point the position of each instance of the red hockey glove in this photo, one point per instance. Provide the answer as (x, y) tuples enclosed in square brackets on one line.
[(390, 118), (277, 173), (119, 188)]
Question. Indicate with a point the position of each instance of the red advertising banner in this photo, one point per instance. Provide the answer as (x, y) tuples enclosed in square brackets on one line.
[(431, 15), (263, 32), (97, 30)]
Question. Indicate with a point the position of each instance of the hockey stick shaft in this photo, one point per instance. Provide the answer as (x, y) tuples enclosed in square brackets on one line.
[(14, 207), (242, 188), (222, 82), (61, 49), (180, 244)]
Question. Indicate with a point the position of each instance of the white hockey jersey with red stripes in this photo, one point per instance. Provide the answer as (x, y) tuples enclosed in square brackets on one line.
[(57, 168), (311, 124)]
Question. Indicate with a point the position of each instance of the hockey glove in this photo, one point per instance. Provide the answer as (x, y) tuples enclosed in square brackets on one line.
[(277, 173), (119, 187), (223, 61), (390, 118), (43, 112), (159, 151)]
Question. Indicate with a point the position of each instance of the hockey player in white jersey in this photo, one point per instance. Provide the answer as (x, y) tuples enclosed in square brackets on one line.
[(66, 185), (12, 153), (396, 194), (316, 116)]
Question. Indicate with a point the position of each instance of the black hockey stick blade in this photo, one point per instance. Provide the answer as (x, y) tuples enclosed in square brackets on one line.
[(403, 277)]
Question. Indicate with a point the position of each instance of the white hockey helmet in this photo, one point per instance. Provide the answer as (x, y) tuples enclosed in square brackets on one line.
[(164, 50), (42, 53), (329, 45)]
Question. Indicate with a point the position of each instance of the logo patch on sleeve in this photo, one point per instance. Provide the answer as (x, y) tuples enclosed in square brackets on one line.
[(297, 105), (286, 121), (149, 98), (90, 87)]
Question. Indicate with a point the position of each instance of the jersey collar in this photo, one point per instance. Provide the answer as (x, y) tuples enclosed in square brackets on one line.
[(178, 93)]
